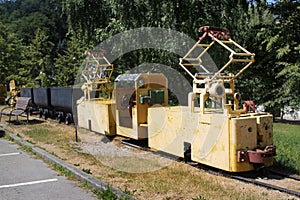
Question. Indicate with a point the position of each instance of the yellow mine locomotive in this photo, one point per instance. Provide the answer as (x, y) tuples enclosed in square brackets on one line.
[(212, 129)]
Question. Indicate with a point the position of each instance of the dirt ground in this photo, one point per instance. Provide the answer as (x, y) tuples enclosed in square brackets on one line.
[(140, 173)]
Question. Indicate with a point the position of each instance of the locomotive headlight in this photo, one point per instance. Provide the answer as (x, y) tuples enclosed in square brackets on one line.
[(217, 89)]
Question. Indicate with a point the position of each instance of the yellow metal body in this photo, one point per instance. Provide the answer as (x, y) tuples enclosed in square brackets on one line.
[(97, 116), (97, 112), (214, 138), (13, 92)]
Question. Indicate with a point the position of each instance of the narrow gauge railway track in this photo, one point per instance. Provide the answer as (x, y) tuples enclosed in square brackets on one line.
[(269, 179), (265, 182), (252, 178), (297, 178), (244, 177), (265, 179)]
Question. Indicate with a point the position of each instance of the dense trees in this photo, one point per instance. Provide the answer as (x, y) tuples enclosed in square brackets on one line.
[(285, 46), (39, 30), (10, 53), (43, 42)]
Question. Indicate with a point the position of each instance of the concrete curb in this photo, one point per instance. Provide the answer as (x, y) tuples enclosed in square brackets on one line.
[(78, 174)]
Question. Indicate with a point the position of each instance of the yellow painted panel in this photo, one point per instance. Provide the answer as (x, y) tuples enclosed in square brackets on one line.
[(170, 127), (211, 146), (136, 131), (245, 132), (243, 135), (96, 116), (265, 130), (127, 131)]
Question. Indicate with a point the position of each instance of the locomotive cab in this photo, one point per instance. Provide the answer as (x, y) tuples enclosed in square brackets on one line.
[(134, 94)]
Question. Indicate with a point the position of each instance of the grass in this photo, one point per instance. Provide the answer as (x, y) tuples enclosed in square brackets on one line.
[(7, 137), (45, 135), (106, 194), (287, 141), (62, 170), (177, 181)]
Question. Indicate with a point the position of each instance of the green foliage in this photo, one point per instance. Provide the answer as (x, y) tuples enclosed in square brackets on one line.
[(68, 62), (11, 49), (284, 45), (43, 43), (254, 27), (36, 62), (84, 16), (34, 31), (24, 17), (114, 27)]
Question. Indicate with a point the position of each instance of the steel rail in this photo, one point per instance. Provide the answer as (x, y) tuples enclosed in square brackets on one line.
[(253, 181), (266, 185), (297, 178)]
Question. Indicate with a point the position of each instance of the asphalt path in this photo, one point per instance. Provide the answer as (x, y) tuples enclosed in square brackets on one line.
[(24, 177)]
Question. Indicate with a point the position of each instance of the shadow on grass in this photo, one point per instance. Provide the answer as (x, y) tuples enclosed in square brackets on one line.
[(278, 165), (286, 121), (24, 122)]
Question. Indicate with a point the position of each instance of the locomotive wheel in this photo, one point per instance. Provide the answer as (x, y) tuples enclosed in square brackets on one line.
[(68, 119)]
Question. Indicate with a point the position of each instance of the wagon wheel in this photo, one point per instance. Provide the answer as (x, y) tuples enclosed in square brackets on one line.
[(46, 114), (40, 113), (68, 119), (60, 119), (67, 122), (30, 110)]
